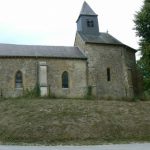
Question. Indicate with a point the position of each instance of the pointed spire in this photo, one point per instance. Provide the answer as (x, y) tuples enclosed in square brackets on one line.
[(87, 10), (87, 21)]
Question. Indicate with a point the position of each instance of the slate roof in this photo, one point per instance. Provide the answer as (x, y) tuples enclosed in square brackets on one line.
[(12, 50), (87, 10), (101, 38), (104, 38)]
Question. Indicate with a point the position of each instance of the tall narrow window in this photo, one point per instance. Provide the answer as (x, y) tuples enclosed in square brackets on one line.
[(65, 80), (18, 79), (108, 74)]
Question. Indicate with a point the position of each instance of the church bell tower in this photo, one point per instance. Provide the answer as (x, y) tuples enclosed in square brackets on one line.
[(87, 21)]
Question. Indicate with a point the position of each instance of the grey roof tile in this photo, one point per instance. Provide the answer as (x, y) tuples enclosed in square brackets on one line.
[(12, 50), (87, 10), (104, 38)]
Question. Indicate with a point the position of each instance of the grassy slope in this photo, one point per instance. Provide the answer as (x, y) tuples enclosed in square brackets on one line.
[(51, 121)]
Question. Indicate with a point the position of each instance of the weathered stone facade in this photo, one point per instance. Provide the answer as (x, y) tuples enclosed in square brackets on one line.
[(119, 59), (55, 67), (98, 65)]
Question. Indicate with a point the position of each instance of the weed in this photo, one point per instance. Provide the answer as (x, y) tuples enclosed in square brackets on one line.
[(32, 93), (89, 95), (135, 99)]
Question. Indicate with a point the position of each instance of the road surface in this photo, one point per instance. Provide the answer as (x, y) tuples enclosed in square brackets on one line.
[(134, 146)]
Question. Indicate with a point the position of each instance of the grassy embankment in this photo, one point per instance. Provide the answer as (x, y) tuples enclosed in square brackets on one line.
[(56, 121)]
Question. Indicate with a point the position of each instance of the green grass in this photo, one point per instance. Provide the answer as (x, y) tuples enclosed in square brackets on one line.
[(56, 121)]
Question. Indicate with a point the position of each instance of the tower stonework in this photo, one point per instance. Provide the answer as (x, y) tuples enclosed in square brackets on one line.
[(111, 67)]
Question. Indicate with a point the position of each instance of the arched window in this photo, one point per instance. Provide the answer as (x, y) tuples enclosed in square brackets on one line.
[(18, 79), (65, 80), (108, 74)]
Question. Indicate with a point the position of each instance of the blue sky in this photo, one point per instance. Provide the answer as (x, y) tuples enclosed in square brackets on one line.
[(52, 22)]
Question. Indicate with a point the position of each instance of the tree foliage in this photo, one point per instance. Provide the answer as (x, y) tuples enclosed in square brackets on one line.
[(142, 21), (142, 26)]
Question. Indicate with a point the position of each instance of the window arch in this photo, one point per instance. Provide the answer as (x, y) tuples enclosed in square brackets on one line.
[(65, 80), (18, 79)]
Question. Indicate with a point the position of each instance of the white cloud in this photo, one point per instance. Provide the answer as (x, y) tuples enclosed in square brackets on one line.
[(53, 22)]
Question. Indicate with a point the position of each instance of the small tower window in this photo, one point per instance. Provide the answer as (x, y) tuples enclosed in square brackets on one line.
[(90, 23), (65, 80), (18, 79), (108, 74)]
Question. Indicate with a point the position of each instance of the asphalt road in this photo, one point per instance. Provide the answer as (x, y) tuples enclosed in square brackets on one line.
[(134, 146)]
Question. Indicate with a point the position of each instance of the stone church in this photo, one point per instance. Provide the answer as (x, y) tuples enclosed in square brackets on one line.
[(98, 65)]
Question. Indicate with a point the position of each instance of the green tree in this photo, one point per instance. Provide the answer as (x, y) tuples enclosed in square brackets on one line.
[(142, 27)]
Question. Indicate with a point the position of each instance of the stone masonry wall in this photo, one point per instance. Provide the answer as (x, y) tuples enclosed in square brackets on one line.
[(29, 68), (132, 71), (101, 57)]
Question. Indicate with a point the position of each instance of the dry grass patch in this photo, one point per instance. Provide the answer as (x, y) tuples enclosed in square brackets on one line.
[(48, 121)]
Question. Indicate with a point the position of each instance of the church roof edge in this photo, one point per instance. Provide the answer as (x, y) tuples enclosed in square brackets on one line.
[(67, 52)]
